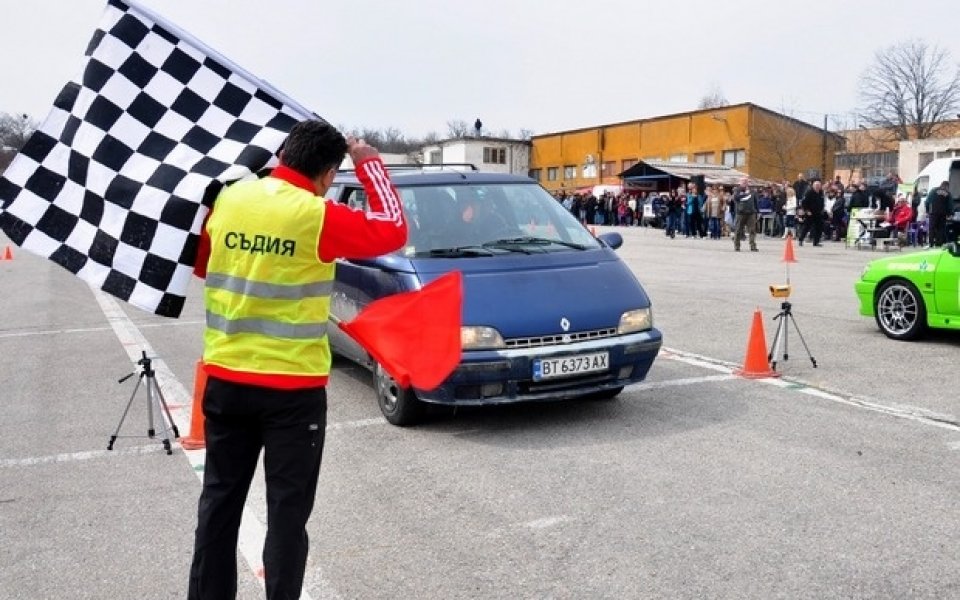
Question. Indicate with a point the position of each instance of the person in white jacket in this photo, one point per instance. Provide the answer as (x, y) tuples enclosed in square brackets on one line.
[(790, 214)]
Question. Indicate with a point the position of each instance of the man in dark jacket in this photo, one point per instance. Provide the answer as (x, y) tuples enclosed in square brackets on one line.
[(813, 205), (745, 215), (860, 199), (939, 204), (800, 186)]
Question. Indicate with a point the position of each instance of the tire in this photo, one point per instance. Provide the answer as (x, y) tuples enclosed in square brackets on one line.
[(400, 406), (899, 310)]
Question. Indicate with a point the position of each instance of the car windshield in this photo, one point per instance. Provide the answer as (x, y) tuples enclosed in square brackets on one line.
[(489, 220)]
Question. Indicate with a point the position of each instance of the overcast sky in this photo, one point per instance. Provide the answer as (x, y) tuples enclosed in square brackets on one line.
[(541, 65)]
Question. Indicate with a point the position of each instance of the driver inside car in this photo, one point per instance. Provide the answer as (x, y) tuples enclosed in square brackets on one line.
[(479, 217)]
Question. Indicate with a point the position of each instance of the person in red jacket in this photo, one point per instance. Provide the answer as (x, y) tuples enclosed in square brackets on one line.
[(902, 214), (266, 253)]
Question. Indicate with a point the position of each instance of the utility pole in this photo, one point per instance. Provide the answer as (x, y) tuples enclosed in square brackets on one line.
[(823, 151)]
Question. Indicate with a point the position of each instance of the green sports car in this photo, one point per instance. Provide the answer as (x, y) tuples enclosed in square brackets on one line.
[(908, 293)]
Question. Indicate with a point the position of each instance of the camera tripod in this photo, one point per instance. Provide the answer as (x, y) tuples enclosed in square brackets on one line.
[(156, 405), (780, 338)]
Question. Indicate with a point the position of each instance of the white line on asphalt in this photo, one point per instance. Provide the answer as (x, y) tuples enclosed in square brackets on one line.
[(355, 424), (75, 456), (21, 334), (656, 385), (910, 413), (252, 531)]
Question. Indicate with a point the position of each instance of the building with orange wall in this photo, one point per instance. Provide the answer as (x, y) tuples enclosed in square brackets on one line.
[(763, 143)]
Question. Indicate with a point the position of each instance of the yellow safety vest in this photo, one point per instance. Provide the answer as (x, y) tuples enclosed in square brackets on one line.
[(267, 293)]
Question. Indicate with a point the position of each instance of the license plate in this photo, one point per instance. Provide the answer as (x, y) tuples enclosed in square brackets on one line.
[(566, 366)]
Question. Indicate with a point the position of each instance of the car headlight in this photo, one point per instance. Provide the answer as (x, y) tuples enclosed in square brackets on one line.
[(639, 319), (480, 338), (863, 273)]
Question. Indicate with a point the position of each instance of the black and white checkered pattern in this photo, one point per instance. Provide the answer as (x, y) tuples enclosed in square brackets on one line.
[(116, 182)]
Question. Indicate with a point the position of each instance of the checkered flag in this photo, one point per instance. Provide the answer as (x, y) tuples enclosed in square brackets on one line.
[(116, 182)]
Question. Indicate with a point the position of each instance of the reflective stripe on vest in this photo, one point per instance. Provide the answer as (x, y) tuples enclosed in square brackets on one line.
[(267, 294)]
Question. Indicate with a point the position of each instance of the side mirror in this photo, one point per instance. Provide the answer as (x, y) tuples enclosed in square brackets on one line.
[(612, 239), (953, 248)]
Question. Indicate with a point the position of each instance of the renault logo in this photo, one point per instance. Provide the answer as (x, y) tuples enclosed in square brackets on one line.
[(564, 324)]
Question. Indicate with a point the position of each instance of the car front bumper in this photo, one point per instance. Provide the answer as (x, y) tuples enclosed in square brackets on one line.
[(865, 291), (505, 376)]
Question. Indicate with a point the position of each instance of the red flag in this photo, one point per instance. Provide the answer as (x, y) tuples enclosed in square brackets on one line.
[(414, 335)]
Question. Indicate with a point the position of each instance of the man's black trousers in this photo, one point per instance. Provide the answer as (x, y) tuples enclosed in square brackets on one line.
[(240, 420)]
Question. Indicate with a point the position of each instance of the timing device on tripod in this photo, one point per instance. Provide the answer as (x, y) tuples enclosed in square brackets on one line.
[(157, 409), (780, 338)]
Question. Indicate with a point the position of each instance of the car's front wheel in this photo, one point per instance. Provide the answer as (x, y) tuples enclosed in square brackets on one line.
[(899, 310), (399, 405)]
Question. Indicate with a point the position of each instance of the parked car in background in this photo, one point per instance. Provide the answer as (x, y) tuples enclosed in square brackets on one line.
[(906, 294), (550, 312)]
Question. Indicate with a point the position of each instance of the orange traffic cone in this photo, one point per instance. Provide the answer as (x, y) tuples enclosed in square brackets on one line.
[(788, 256), (197, 440), (7, 253), (756, 364)]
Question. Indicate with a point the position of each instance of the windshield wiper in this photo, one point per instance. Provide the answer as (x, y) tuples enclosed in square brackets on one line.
[(461, 251), (533, 240)]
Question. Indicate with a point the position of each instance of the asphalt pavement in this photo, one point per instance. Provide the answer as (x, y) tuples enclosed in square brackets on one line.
[(834, 481)]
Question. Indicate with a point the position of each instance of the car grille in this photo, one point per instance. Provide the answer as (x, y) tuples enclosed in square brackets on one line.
[(560, 339)]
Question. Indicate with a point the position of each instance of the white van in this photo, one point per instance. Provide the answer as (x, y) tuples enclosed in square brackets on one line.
[(942, 169)]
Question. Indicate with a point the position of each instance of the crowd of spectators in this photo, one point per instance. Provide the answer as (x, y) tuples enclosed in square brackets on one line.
[(802, 208)]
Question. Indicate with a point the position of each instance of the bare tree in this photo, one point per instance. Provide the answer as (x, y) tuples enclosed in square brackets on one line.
[(783, 143), (910, 89), (714, 98), (15, 130), (458, 128), (526, 134)]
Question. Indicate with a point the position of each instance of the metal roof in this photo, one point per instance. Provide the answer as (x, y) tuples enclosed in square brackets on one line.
[(712, 174)]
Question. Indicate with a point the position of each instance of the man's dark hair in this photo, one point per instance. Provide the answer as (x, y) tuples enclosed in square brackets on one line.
[(313, 147)]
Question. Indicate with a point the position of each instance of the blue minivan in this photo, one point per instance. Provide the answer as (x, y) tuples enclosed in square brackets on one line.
[(550, 312)]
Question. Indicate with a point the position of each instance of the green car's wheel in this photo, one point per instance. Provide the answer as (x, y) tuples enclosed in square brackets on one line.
[(899, 310), (399, 405)]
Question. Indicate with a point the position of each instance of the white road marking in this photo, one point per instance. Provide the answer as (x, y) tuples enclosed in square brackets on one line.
[(656, 385), (77, 456), (910, 413), (252, 531), (21, 334)]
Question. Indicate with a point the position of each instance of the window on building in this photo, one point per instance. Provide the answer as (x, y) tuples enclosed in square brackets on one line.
[(627, 163), (534, 174), (652, 159), (734, 158), (607, 168), (552, 173), (924, 159), (570, 172), (495, 156), (705, 158), (678, 158), (434, 157), (945, 154)]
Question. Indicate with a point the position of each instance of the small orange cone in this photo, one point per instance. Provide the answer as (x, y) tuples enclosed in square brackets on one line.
[(788, 256), (7, 253), (593, 231), (197, 440), (756, 365)]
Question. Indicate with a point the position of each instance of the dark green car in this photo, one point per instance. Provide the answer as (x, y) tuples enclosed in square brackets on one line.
[(908, 293)]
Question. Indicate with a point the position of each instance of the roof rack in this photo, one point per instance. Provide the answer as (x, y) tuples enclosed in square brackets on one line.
[(423, 167)]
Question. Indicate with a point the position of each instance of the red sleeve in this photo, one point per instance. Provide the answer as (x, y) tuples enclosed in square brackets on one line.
[(352, 233), (203, 251)]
